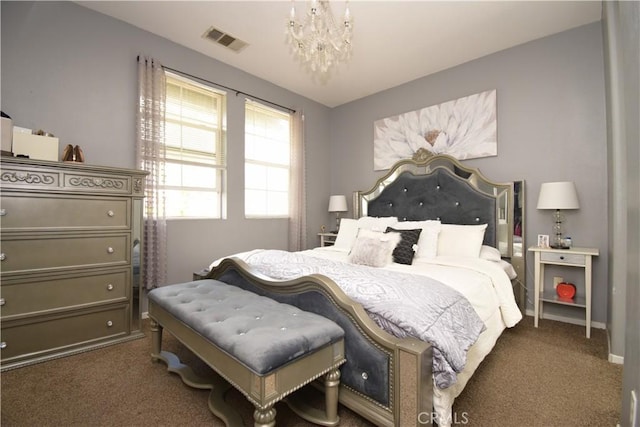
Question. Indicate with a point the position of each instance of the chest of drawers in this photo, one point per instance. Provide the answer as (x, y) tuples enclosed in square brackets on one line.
[(66, 260)]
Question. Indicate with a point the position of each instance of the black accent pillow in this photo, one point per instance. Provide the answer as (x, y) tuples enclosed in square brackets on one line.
[(403, 252)]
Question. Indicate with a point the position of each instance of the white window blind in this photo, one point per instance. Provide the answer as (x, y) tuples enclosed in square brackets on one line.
[(267, 161), (195, 144)]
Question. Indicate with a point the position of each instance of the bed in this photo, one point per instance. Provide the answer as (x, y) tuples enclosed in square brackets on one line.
[(401, 369)]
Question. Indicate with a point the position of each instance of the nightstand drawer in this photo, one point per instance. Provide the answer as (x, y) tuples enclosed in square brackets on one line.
[(557, 257), (560, 258)]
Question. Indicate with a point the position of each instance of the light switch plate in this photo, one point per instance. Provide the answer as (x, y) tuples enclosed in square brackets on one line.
[(556, 280)]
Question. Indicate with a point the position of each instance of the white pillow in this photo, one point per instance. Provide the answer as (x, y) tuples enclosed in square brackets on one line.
[(428, 241), (377, 223), (349, 229), (461, 240), (346, 234), (373, 248), (490, 253)]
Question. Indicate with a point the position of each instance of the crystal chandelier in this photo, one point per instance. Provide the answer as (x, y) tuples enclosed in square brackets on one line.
[(318, 41)]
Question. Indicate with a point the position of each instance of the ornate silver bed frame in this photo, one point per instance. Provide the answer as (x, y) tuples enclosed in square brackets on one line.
[(402, 366)]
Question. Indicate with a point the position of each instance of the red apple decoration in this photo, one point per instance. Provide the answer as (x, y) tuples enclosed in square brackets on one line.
[(566, 290)]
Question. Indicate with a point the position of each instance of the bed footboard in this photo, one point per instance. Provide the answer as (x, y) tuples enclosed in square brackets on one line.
[(386, 380)]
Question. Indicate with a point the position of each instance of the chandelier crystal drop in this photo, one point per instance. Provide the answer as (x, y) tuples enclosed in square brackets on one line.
[(318, 42)]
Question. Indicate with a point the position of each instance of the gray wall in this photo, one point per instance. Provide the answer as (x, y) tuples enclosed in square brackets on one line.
[(72, 72), (622, 63), (551, 127)]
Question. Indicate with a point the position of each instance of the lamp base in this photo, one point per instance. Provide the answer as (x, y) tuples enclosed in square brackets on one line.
[(559, 247)]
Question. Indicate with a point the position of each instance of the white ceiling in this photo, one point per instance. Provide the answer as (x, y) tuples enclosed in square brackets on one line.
[(394, 41)]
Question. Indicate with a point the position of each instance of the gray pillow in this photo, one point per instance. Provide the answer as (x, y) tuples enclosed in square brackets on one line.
[(374, 248)]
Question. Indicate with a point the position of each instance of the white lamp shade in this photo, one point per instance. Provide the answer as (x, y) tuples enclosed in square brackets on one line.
[(337, 204), (558, 195)]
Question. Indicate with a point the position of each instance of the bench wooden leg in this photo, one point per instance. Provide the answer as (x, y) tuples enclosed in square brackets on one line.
[(156, 340), (299, 401), (264, 417), (331, 387)]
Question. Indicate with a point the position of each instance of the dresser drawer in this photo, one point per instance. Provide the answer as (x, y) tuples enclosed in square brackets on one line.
[(39, 295), (561, 258), (70, 178), (21, 254), (22, 339), (21, 212)]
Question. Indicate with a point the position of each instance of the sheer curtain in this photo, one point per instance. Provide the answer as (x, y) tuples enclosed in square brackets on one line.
[(297, 193), (150, 156)]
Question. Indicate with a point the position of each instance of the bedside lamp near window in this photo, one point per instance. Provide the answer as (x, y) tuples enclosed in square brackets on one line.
[(337, 204), (557, 196)]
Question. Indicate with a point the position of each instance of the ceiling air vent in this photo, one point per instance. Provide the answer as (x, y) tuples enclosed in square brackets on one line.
[(224, 39)]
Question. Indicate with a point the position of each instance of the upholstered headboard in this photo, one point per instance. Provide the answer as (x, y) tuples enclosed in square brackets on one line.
[(440, 195), (442, 188)]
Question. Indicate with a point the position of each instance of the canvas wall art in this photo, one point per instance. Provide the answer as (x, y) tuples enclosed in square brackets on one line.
[(464, 128)]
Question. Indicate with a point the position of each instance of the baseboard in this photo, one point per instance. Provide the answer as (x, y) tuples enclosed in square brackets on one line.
[(618, 360), (613, 358), (572, 320)]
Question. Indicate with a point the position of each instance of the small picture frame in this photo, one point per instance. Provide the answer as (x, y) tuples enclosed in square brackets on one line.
[(543, 240)]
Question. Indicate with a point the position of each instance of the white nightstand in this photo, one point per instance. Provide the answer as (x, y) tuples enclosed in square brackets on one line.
[(574, 257), (327, 239)]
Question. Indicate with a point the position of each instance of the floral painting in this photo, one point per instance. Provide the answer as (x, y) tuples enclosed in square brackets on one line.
[(464, 128)]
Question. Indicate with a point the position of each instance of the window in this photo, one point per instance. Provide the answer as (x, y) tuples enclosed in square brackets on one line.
[(195, 144), (267, 160)]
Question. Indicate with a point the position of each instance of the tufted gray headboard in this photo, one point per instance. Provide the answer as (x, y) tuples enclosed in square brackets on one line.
[(442, 188), (439, 195)]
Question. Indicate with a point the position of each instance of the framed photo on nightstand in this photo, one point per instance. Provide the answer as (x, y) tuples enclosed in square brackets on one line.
[(543, 240)]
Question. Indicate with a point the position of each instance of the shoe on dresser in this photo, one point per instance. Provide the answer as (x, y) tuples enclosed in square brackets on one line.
[(78, 154), (67, 154)]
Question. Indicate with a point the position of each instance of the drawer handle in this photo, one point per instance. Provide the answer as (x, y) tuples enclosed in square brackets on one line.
[(2, 256), (110, 250), (3, 345), (109, 323), (109, 287), (3, 212), (561, 256), (2, 302), (111, 213)]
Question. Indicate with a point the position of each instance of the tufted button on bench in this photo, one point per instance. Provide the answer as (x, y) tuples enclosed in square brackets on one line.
[(263, 348)]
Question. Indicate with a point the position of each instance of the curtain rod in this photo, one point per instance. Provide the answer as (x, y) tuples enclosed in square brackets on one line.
[(238, 92)]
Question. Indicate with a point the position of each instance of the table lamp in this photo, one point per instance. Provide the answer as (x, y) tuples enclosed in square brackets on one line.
[(337, 204), (557, 196)]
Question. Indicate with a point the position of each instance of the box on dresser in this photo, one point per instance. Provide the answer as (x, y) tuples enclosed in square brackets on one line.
[(67, 271), (37, 147)]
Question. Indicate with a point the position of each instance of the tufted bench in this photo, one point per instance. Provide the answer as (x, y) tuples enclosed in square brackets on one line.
[(263, 348)]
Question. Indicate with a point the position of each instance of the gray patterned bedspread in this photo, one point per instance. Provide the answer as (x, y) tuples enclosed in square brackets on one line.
[(402, 304)]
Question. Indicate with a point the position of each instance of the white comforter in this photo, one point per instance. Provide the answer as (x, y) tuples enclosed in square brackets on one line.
[(484, 283)]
